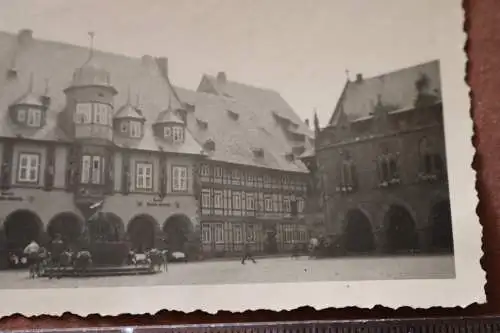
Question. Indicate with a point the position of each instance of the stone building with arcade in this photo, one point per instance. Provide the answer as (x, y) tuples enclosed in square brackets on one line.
[(382, 160), (100, 145)]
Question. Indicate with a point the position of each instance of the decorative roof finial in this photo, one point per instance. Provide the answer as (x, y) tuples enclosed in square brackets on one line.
[(170, 100), (347, 75), (128, 95), (137, 100), (316, 122), (91, 44), (46, 90), (32, 79)]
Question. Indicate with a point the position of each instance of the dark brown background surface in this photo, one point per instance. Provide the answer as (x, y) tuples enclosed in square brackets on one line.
[(483, 75)]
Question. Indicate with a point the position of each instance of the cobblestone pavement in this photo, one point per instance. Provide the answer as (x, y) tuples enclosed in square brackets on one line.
[(265, 270)]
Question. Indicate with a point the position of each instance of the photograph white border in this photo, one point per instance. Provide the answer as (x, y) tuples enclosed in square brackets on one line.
[(466, 288)]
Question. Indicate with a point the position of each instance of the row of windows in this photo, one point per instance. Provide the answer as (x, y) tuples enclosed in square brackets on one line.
[(175, 133), (31, 117), (93, 172), (214, 233), (247, 233), (237, 177), (387, 168), (132, 128), (94, 113), (219, 199)]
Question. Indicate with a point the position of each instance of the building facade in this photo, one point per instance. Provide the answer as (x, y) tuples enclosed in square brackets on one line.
[(253, 183), (99, 145), (79, 159), (383, 165)]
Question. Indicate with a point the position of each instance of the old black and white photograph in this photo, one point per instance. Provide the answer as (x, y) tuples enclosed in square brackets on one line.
[(184, 153)]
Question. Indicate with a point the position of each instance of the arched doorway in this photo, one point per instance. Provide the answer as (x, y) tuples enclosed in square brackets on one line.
[(106, 227), (68, 225), (141, 231), (401, 233), (358, 233), (177, 229), (441, 226), (20, 228)]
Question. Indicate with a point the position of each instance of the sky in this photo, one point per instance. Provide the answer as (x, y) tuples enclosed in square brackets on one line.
[(300, 48)]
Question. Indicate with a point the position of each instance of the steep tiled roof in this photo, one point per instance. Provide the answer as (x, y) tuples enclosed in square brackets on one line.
[(395, 90), (236, 139), (52, 66)]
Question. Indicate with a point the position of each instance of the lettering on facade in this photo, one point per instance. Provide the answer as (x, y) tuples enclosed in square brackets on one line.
[(9, 196)]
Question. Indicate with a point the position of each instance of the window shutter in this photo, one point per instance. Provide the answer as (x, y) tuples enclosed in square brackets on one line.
[(7, 156), (50, 168)]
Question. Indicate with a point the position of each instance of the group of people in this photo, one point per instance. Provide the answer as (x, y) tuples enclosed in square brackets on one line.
[(59, 255)]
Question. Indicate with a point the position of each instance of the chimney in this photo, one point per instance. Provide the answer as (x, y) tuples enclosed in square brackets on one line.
[(163, 66), (221, 78), (359, 77), (25, 36), (307, 122)]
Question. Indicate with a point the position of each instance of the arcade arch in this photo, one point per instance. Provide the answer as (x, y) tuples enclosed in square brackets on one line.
[(20, 228), (358, 233), (400, 230), (141, 231), (177, 229)]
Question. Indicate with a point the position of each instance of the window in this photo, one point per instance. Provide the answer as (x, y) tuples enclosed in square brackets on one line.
[(85, 174), (144, 176), (218, 199), (205, 198), (219, 233), (179, 176), (250, 201), (135, 129), (101, 112), (387, 169), (21, 115), (347, 180), (92, 169), (83, 113), (300, 205), (218, 172), (286, 205), (250, 233), (267, 181), (34, 117), (250, 180), (236, 200), (178, 134), (431, 163), (28, 168), (205, 233), (97, 167), (124, 127), (237, 234), (285, 180), (205, 170), (167, 131), (268, 204)]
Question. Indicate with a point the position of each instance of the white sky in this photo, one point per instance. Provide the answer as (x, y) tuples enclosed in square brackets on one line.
[(300, 48)]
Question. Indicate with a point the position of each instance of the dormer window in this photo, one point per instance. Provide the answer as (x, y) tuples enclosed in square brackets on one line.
[(233, 115), (178, 134), (130, 128), (34, 117), (21, 115), (258, 152), (167, 131), (124, 127), (135, 129)]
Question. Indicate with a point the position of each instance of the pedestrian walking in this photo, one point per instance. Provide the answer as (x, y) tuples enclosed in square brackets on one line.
[(247, 254)]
